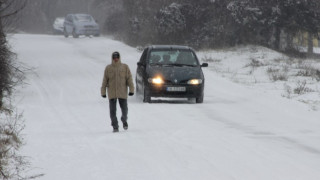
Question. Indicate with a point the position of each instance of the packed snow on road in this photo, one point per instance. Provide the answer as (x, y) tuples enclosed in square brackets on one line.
[(246, 129)]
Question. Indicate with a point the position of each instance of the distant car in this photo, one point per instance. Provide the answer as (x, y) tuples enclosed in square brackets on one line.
[(58, 25), (170, 71), (80, 24)]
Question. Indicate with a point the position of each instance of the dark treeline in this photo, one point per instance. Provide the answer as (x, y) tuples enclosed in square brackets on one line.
[(200, 24)]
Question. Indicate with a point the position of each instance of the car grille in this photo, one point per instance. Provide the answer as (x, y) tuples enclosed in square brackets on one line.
[(169, 82), (89, 26)]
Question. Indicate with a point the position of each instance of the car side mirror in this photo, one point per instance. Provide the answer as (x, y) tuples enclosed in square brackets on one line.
[(204, 65), (140, 64)]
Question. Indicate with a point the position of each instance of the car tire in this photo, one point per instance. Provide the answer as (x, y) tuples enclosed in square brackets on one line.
[(137, 88), (146, 97), (199, 99), (65, 33), (74, 34)]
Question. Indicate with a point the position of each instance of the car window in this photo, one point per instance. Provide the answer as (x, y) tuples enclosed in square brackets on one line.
[(172, 56), (69, 18), (83, 18), (144, 55)]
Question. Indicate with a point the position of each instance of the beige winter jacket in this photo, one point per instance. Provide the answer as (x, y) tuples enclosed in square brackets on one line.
[(117, 78)]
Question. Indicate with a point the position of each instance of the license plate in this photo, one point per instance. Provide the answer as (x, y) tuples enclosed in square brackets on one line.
[(176, 89)]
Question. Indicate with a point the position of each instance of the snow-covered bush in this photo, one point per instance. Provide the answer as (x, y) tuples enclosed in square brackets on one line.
[(276, 74), (301, 88), (254, 63), (209, 59), (307, 69), (11, 163)]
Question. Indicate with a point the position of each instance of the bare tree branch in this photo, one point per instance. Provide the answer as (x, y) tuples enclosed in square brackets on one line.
[(15, 11)]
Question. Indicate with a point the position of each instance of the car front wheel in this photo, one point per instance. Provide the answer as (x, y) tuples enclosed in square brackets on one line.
[(65, 33), (74, 34), (137, 87), (146, 97), (199, 99)]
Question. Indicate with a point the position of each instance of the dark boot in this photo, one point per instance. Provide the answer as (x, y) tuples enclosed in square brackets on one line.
[(125, 125), (115, 130)]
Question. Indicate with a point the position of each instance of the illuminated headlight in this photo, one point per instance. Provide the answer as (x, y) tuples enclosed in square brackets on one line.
[(195, 81), (156, 80)]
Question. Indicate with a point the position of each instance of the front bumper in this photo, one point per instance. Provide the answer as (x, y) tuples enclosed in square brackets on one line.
[(191, 91), (88, 32)]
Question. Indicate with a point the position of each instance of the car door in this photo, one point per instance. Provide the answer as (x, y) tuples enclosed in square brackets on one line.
[(68, 24), (141, 70)]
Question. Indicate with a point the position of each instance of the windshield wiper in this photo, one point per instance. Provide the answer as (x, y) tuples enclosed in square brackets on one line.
[(156, 64), (180, 65), (191, 65)]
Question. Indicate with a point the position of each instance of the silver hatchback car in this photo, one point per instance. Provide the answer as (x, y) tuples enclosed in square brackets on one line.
[(80, 24)]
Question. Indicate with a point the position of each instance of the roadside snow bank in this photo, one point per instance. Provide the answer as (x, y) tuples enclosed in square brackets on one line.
[(292, 78)]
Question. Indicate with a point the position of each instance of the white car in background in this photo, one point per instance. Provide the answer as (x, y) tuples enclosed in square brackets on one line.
[(58, 25), (80, 24)]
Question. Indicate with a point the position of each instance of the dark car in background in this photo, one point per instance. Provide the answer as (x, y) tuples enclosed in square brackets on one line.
[(170, 71), (80, 24)]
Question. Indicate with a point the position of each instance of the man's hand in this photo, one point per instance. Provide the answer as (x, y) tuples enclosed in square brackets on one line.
[(131, 93), (104, 96)]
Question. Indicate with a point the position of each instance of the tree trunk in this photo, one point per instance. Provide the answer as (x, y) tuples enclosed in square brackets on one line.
[(2, 63), (277, 38), (289, 41), (1, 101), (310, 43)]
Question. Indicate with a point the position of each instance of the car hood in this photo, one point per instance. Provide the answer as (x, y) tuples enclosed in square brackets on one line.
[(175, 74)]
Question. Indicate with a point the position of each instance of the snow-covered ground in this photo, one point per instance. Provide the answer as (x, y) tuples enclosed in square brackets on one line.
[(266, 70), (248, 128)]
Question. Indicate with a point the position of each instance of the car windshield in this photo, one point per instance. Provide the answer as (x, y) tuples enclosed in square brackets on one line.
[(83, 18), (173, 57)]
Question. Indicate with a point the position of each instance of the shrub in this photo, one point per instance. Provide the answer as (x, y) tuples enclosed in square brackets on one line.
[(302, 88), (210, 59), (11, 163), (317, 75), (307, 70), (288, 91), (277, 75), (254, 63)]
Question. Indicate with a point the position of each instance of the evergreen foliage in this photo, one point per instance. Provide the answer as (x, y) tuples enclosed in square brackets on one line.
[(201, 24)]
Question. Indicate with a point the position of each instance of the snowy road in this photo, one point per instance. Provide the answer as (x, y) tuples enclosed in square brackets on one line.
[(238, 133)]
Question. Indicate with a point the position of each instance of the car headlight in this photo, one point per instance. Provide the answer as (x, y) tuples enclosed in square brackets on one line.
[(156, 80), (195, 81)]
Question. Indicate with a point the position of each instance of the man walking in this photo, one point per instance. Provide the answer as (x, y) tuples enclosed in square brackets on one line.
[(117, 78)]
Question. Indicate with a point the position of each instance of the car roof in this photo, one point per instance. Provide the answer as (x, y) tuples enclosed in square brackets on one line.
[(169, 47), (79, 14)]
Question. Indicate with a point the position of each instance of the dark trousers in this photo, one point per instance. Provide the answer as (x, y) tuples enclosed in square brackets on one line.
[(113, 111)]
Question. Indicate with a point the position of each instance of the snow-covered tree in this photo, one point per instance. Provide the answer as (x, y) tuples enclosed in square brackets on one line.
[(170, 22), (270, 18)]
